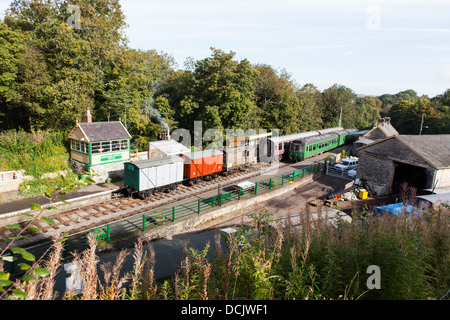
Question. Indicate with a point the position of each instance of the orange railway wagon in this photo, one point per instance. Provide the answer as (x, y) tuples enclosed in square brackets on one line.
[(202, 164)]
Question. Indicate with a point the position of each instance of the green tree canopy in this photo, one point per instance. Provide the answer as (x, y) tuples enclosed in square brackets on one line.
[(276, 99), (335, 98), (310, 114)]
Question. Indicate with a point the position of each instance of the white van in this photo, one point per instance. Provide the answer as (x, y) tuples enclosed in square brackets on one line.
[(347, 164)]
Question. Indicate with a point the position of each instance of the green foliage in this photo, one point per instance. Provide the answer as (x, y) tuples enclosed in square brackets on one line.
[(277, 102), (37, 153), (310, 115), (218, 91), (332, 100), (50, 74), (36, 273), (389, 100), (38, 187), (407, 116), (11, 45), (311, 260)]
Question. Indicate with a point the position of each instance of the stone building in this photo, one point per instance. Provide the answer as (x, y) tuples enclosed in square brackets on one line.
[(381, 130), (423, 161)]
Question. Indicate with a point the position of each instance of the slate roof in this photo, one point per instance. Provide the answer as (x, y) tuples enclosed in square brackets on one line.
[(433, 148), (104, 131), (386, 128)]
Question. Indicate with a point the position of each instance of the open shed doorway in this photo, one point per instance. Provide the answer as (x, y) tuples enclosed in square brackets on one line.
[(415, 177)]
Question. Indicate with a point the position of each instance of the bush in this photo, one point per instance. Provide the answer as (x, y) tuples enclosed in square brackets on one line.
[(37, 187), (36, 153)]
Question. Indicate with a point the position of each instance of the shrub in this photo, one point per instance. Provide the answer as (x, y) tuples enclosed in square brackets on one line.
[(36, 153), (313, 261)]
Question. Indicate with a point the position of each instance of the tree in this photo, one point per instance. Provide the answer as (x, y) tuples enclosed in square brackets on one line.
[(368, 112), (25, 109), (310, 114), (224, 90), (276, 99), (217, 91), (335, 98), (389, 100), (11, 47), (407, 117)]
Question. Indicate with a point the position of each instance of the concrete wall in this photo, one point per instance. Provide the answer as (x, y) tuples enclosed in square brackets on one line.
[(99, 173)]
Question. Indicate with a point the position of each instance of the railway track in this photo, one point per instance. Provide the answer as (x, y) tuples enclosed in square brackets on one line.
[(91, 216)]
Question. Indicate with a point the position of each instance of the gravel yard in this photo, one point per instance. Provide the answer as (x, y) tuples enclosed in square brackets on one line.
[(297, 202)]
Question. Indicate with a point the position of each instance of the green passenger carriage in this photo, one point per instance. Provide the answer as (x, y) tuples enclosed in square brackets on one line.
[(310, 146)]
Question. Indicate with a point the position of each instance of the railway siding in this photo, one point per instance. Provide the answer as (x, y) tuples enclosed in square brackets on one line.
[(184, 215), (84, 217)]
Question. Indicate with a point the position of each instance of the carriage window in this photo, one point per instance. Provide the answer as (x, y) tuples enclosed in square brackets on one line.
[(280, 146)]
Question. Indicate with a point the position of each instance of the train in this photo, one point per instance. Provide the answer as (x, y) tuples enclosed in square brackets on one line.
[(304, 148), (164, 174)]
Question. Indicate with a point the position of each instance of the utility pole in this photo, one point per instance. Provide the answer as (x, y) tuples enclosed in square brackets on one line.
[(421, 124), (340, 118)]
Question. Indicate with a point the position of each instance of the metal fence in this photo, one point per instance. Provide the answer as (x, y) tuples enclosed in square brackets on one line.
[(336, 172), (158, 217)]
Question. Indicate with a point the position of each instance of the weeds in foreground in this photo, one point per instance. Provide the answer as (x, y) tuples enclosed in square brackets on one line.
[(312, 260)]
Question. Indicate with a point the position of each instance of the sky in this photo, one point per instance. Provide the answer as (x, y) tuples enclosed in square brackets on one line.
[(371, 46)]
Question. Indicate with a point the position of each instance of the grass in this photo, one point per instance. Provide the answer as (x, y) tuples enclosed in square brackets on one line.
[(314, 261)]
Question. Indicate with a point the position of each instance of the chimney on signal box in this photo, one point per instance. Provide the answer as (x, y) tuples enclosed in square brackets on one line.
[(88, 115)]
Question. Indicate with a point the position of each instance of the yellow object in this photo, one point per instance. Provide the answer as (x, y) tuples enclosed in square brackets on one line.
[(363, 194)]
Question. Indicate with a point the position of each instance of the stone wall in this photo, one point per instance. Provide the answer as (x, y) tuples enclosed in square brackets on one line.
[(376, 166), (378, 173), (99, 173)]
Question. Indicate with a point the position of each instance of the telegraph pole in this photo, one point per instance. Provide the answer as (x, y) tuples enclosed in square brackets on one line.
[(421, 124), (340, 118)]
